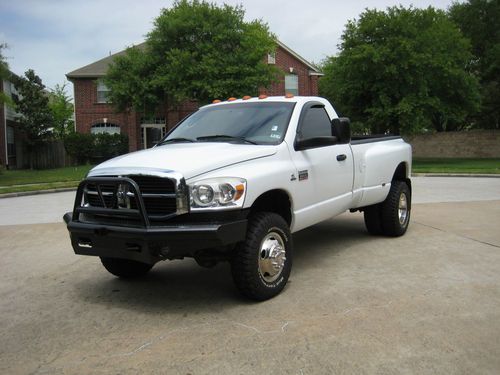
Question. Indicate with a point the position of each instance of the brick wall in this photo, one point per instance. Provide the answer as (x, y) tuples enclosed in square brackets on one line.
[(88, 112), (3, 151), (470, 144), (308, 85)]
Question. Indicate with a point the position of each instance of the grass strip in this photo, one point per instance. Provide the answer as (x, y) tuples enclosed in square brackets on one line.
[(443, 165), (43, 176)]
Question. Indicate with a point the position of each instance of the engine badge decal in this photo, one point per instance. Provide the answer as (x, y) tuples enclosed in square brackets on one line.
[(303, 175)]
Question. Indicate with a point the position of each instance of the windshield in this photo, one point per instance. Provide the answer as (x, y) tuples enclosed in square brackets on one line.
[(257, 123)]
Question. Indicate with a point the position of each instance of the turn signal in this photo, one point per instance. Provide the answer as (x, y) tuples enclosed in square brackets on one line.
[(240, 189)]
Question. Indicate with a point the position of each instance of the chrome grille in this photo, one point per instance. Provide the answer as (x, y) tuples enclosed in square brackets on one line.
[(158, 195), (154, 185), (107, 194)]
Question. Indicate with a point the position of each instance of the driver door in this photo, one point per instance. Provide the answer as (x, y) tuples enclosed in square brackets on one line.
[(323, 187)]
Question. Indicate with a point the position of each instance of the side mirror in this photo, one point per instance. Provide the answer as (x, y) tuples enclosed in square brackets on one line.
[(304, 144), (341, 128)]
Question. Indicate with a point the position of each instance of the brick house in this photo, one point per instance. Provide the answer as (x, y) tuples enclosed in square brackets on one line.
[(94, 114), (11, 139)]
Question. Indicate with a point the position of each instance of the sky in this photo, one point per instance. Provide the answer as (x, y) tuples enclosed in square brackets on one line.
[(54, 37)]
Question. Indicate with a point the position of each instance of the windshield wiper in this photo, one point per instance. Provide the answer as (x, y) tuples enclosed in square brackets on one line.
[(173, 140), (231, 137)]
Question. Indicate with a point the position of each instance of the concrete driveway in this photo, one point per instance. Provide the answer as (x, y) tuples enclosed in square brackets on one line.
[(428, 302)]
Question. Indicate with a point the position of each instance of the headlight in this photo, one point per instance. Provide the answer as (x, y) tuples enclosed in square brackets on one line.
[(218, 193)]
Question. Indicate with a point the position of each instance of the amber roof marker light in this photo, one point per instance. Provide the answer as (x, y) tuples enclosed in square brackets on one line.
[(216, 101), (231, 99), (289, 96), (246, 97), (263, 96)]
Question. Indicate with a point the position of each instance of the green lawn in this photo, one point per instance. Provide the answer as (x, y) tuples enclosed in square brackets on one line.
[(29, 180), (431, 165)]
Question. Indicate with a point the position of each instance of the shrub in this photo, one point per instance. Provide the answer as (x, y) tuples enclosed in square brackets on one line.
[(107, 146), (79, 146), (95, 148)]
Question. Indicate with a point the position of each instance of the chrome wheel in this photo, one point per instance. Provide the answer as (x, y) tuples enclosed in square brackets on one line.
[(271, 257), (403, 209)]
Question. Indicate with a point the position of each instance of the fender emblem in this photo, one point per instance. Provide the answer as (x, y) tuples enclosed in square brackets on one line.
[(303, 175)]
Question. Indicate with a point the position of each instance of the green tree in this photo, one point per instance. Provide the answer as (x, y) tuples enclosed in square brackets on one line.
[(4, 75), (32, 105), (402, 70), (479, 21), (196, 50), (62, 111)]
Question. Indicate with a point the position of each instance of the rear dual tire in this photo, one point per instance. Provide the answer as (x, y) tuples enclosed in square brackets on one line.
[(392, 216)]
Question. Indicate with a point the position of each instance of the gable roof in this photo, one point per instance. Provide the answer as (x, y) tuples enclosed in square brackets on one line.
[(314, 69), (99, 68)]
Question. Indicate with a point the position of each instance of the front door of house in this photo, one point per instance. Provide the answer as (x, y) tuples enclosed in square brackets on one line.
[(152, 134)]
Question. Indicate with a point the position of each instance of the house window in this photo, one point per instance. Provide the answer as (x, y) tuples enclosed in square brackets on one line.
[(11, 145), (102, 92), (292, 84), (153, 120), (105, 128), (271, 58), (13, 92)]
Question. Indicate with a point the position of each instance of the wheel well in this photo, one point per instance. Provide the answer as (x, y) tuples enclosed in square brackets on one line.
[(401, 174), (276, 201)]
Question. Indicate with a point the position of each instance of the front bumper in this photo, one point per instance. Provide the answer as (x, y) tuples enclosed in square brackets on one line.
[(116, 231), (153, 243)]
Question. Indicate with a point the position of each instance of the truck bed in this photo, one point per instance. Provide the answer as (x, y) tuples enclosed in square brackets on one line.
[(360, 139)]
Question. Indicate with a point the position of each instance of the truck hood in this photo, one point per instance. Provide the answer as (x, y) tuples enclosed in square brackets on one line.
[(189, 159)]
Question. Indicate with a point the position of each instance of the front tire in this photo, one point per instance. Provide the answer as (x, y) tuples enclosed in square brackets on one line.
[(261, 264), (125, 268)]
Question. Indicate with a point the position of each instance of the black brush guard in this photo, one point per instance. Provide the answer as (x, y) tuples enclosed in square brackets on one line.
[(131, 234)]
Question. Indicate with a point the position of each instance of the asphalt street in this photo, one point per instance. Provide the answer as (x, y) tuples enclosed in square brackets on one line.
[(427, 302)]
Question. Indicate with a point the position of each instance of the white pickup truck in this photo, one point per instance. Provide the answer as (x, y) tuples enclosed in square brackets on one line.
[(232, 182)]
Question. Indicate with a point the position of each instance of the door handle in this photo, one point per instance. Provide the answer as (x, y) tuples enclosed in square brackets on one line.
[(341, 157)]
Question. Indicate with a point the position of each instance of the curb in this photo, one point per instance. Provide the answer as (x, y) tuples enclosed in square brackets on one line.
[(455, 175), (60, 190), (35, 192)]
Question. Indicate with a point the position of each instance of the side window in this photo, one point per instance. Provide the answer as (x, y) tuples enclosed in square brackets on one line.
[(315, 123)]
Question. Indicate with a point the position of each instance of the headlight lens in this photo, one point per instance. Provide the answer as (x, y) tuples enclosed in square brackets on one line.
[(218, 193), (203, 194)]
